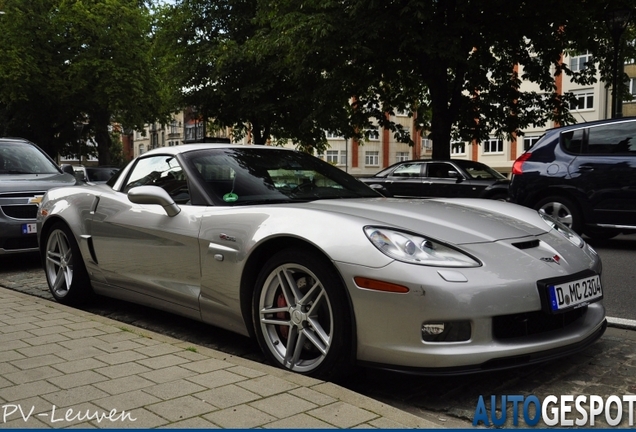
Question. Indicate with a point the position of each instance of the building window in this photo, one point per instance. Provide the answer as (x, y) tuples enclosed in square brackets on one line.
[(332, 156), (528, 142), (493, 145), (401, 156), (372, 158), (372, 134), (332, 135), (578, 63), (142, 149), (427, 144), (631, 85), (458, 148), (584, 101), (173, 127)]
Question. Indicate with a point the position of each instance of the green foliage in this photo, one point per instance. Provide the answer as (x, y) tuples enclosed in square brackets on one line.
[(453, 62), (69, 62)]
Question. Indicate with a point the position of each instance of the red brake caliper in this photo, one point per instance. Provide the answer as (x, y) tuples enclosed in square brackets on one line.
[(280, 302)]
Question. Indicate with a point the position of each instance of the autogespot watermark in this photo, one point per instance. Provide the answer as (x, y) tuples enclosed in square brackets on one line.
[(9, 412), (560, 411)]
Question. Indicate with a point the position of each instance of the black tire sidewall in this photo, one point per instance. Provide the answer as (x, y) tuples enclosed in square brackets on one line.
[(337, 360)]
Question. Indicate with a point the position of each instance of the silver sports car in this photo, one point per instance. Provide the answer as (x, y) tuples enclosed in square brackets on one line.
[(319, 268)]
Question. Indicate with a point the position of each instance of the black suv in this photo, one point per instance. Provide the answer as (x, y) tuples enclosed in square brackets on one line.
[(584, 175)]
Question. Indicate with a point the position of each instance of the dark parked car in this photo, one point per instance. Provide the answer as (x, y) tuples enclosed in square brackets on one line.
[(26, 173), (436, 178), (584, 175), (97, 174)]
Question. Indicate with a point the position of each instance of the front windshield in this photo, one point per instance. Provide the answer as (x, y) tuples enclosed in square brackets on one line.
[(259, 175), (24, 158), (481, 171)]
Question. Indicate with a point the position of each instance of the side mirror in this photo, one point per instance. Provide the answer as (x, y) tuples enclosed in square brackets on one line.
[(456, 176), (68, 169), (154, 195), (381, 189)]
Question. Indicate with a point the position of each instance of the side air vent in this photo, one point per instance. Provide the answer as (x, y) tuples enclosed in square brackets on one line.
[(527, 244)]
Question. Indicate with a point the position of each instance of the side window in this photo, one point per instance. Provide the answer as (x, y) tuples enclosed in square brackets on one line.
[(408, 170), (162, 171), (440, 170), (616, 138), (572, 141)]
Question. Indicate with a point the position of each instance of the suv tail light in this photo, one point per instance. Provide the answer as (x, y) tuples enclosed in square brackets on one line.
[(517, 167)]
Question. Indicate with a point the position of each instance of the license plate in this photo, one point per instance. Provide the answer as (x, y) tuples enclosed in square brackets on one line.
[(29, 228), (573, 294)]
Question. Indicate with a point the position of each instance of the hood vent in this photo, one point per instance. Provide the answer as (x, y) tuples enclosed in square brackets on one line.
[(527, 244)]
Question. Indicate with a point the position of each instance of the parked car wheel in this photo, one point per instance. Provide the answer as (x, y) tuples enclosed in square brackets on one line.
[(499, 197), (601, 233), (64, 268), (300, 315), (563, 210)]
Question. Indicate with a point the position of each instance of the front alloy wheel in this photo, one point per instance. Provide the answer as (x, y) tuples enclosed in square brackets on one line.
[(65, 272), (299, 315)]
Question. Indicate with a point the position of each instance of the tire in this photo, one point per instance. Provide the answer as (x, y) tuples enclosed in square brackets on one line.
[(601, 233), (499, 197), (65, 271), (563, 210), (312, 336)]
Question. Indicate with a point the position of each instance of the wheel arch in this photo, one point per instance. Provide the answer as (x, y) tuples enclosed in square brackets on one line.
[(257, 260), (565, 192), (44, 230)]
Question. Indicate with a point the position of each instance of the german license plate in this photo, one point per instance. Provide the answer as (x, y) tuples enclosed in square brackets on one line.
[(29, 228), (573, 294)]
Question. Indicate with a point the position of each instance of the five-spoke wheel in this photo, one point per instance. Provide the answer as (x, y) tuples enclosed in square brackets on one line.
[(65, 272), (299, 314)]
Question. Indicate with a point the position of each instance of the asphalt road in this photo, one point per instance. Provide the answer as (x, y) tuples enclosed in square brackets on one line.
[(605, 368), (619, 275)]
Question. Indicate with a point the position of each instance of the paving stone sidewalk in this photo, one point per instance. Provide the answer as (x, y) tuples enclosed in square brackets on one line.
[(63, 367)]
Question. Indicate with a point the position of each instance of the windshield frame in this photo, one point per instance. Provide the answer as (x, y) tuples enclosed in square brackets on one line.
[(250, 175)]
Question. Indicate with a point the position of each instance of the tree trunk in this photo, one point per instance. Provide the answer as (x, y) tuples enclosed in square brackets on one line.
[(441, 121), (101, 121)]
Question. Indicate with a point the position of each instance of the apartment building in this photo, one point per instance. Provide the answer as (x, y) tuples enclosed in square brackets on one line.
[(381, 149), (593, 102)]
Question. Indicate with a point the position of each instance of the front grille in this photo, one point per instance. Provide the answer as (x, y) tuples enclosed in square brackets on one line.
[(531, 323), (27, 242), (28, 211)]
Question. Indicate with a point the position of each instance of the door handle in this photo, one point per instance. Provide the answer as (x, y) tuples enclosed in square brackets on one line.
[(586, 168)]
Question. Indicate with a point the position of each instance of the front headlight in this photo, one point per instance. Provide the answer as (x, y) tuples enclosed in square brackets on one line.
[(415, 249), (566, 232)]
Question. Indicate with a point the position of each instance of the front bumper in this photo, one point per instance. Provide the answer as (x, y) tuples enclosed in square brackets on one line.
[(389, 325)]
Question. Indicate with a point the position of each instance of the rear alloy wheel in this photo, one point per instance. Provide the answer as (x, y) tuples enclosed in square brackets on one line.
[(300, 315), (563, 210), (65, 271)]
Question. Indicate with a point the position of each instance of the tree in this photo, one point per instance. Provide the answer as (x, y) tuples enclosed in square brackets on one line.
[(455, 63), (221, 67), (70, 62)]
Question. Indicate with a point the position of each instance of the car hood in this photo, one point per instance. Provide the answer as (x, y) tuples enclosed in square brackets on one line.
[(34, 182), (458, 221)]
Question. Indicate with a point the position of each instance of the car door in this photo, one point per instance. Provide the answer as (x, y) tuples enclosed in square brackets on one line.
[(140, 248), (441, 180), (474, 178), (605, 172), (406, 180)]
